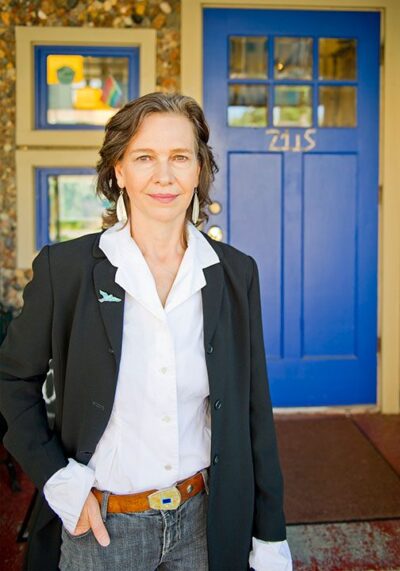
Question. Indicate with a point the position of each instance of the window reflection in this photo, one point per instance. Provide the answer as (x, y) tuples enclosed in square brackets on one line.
[(292, 106), (247, 106), (293, 100), (248, 57), (293, 58), (337, 106), (85, 90), (74, 208), (337, 58)]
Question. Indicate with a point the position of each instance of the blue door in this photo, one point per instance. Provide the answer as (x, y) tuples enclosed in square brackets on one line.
[(292, 98)]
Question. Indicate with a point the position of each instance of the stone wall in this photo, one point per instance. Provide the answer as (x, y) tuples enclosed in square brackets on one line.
[(164, 16)]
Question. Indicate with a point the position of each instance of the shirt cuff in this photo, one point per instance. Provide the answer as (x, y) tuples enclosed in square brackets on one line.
[(67, 490), (270, 556)]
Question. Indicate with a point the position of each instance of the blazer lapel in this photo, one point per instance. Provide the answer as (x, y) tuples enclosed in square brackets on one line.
[(212, 292), (212, 295), (212, 300), (112, 312)]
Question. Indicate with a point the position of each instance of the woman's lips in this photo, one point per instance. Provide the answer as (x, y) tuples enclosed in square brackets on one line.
[(165, 198)]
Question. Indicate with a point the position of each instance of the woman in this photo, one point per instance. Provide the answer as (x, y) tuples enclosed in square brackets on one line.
[(163, 454)]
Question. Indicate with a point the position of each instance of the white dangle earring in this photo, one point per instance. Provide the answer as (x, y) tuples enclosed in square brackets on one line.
[(196, 207), (121, 210)]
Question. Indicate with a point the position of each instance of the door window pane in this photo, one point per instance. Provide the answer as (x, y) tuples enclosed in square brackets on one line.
[(337, 106), (247, 106), (337, 58), (292, 106), (85, 90), (248, 57), (293, 58)]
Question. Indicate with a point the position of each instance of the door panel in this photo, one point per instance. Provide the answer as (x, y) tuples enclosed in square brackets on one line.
[(266, 191), (328, 294)]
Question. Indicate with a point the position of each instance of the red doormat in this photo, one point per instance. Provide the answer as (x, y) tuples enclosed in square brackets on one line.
[(333, 473)]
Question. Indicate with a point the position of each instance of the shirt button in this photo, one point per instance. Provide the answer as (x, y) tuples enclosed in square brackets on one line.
[(164, 370), (215, 460), (210, 348), (217, 404), (168, 467), (166, 418)]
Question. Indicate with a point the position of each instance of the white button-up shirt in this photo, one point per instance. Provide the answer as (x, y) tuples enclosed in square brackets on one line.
[(161, 405)]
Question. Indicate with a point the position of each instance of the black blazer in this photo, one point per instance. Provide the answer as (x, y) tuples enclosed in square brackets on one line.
[(62, 319)]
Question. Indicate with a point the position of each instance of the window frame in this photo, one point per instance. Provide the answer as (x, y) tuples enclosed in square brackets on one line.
[(41, 95), (27, 163), (29, 37)]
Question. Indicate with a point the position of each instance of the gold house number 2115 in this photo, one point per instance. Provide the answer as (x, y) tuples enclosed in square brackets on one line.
[(286, 141)]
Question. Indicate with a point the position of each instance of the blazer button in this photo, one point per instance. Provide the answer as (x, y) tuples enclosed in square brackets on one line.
[(217, 404), (110, 350), (210, 348), (215, 460)]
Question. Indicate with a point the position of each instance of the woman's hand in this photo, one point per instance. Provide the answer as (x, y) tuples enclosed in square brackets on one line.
[(91, 518)]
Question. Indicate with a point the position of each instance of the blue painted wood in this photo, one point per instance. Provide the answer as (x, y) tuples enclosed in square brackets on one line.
[(310, 218), (41, 92)]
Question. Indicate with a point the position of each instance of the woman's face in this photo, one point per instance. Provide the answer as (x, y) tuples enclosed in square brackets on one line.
[(159, 168)]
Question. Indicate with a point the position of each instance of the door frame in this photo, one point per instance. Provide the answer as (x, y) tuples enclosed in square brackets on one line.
[(388, 303)]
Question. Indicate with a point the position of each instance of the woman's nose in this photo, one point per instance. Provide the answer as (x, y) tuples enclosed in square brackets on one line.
[(163, 173)]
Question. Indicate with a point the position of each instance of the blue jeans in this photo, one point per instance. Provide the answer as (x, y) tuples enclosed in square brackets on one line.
[(173, 540)]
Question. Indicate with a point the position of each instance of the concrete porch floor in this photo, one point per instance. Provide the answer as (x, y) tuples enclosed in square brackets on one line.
[(360, 546), (352, 545)]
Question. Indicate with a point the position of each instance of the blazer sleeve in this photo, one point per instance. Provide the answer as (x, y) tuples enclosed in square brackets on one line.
[(24, 362), (269, 519)]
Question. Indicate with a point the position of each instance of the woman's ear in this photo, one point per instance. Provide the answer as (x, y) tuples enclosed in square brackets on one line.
[(119, 175)]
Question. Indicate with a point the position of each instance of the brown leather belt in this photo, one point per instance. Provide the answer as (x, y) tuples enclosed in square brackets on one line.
[(164, 499)]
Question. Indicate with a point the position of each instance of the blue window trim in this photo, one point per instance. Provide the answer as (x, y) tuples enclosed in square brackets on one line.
[(41, 92), (42, 174)]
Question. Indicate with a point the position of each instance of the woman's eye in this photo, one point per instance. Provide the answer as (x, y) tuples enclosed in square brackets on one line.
[(143, 158), (181, 158)]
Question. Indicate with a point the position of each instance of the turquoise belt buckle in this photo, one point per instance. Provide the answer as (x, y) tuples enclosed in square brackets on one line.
[(165, 499)]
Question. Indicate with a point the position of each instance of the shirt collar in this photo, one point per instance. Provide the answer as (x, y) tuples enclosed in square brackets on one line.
[(134, 275)]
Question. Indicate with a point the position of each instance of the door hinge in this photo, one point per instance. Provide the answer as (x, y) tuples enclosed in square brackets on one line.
[(378, 345), (380, 193), (382, 54)]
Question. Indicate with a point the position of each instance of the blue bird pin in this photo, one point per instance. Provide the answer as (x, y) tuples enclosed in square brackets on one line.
[(107, 297)]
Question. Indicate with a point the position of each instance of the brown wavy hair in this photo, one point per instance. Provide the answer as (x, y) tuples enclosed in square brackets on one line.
[(119, 131)]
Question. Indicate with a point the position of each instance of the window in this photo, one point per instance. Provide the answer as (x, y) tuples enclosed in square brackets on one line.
[(70, 81), (294, 82)]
